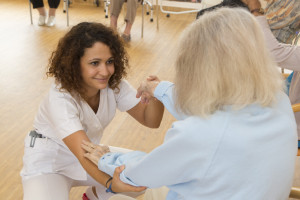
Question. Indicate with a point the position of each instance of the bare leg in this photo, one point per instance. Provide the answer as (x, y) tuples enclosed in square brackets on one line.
[(113, 22), (127, 28), (52, 11), (42, 11)]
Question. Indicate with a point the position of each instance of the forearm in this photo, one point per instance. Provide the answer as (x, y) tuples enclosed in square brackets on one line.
[(285, 55), (153, 113), (94, 172), (73, 142)]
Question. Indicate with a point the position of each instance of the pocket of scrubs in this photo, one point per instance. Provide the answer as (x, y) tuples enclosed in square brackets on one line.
[(40, 158)]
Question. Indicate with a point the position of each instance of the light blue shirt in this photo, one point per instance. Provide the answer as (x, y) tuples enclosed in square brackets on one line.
[(232, 154)]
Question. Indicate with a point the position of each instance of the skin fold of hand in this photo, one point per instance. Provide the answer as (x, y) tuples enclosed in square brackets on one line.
[(94, 152), (146, 89)]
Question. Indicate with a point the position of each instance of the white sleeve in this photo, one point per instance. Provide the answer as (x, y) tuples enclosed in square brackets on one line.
[(63, 114), (286, 55), (126, 96)]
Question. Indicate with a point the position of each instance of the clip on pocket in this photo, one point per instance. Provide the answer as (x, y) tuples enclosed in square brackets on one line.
[(33, 134)]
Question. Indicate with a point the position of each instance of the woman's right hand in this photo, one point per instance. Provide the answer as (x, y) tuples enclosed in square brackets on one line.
[(147, 88), (119, 186)]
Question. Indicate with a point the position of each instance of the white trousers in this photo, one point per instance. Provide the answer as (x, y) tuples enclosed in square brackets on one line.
[(57, 187)]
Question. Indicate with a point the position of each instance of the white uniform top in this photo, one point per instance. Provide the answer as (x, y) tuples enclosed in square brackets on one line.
[(61, 114)]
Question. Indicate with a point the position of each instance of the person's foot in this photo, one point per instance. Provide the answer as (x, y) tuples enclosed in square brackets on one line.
[(51, 21), (42, 20), (126, 38)]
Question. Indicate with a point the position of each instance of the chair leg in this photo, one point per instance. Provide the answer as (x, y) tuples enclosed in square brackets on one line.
[(148, 3), (157, 21), (30, 10), (142, 33), (67, 12), (106, 4), (65, 6)]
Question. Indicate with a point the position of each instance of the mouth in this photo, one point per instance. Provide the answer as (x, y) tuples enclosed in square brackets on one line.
[(102, 80)]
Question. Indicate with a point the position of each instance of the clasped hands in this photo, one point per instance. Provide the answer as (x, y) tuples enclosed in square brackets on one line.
[(146, 89)]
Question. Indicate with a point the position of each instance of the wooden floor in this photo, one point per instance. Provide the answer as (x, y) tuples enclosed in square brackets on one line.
[(25, 49)]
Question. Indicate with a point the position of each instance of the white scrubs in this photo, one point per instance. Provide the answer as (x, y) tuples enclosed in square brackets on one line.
[(50, 169)]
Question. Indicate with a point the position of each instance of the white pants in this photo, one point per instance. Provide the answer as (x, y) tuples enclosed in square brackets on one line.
[(57, 186)]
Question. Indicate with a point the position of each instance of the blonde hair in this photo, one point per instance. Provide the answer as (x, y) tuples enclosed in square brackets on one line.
[(222, 60)]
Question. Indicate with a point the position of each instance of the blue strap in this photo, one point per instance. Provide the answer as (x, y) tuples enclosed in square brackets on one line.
[(110, 190)]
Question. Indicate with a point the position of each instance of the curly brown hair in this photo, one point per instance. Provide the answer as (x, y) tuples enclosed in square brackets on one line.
[(64, 63)]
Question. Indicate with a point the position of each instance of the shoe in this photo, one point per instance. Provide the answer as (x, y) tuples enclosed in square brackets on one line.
[(42, 20), (51, 21), (84, 197), (126, 38)]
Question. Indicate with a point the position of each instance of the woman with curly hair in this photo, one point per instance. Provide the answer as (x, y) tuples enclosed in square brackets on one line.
[(89, 66)]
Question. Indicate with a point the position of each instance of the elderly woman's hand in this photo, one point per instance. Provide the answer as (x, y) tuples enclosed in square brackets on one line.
[(147, 88), (94, 152)]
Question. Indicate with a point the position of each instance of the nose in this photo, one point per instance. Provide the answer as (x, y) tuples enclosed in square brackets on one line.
[(103, 70)]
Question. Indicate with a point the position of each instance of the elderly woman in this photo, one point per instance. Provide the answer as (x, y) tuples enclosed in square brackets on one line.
[(236, 138)]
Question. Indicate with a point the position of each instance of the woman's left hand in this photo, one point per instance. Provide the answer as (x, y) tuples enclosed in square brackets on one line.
[(94, 152)]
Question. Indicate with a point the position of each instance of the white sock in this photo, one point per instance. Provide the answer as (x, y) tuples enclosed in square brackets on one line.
[(89, 193)]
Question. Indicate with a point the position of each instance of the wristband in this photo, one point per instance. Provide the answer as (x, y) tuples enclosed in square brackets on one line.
[(298, 144), (108, 181), (110, 190)]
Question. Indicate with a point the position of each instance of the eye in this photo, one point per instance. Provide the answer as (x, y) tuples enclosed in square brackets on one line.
[(110, 61), (94, 63)]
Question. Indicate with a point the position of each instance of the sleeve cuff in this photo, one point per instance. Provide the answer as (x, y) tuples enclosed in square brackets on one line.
[(161, 89)]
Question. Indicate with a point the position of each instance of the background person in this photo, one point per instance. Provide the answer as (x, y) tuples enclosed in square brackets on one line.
[(115, 10), (39, 5)]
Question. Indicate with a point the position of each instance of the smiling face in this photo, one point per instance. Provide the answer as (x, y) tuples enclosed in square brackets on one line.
[(97, 66)]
